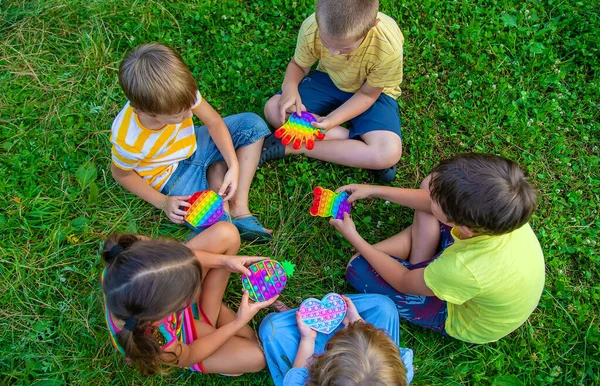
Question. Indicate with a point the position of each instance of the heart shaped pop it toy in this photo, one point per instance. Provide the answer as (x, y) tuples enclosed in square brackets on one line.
[(298, 130), (206, 209), (327, 203), (267, 278), (323, 315)]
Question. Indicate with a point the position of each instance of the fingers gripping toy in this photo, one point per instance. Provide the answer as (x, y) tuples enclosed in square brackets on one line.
[(298, 130), (323, 315), (206, 209), (327, 203), (267, 278)]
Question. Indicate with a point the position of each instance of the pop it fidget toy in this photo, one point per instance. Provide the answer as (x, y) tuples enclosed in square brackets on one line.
[(327, 203), (323, 315), (298, 130), (206, 209), (267, 278)]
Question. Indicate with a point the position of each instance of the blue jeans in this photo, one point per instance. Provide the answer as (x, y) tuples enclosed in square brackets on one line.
[(279, 334), (190, 175)]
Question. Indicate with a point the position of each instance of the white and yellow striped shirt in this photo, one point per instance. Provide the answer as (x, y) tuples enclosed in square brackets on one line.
[(152, 154), (378, 60)]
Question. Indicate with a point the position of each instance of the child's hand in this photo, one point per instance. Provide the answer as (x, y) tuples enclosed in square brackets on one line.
[(322, 123), (346, 226), (248, 309), (239, 263), (357, 191), (230, 182), (305, 331), (290, 100), (351, 314), (172, 208)]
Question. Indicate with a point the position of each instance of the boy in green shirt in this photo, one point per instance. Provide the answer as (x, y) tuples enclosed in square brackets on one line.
[(469, 266)]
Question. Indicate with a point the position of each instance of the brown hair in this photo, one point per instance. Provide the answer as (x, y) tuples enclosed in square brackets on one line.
[(145, 281), (487, 193), (156, 80), (358, 355), (350, 19)]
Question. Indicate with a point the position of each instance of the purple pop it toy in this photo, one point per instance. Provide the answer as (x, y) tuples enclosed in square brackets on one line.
[(267, 278), (323, 315)]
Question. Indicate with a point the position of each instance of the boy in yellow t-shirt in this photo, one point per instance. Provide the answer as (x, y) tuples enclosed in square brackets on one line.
[(160, 156), (357, 80), (469, 266)]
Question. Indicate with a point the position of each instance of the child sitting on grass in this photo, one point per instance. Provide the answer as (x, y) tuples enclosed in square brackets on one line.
[(164, 303), (160, 156), (359, 352), (488, 274), (357, 80)]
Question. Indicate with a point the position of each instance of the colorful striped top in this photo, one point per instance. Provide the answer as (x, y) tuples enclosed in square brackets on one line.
[(152, 154), (178, 326)]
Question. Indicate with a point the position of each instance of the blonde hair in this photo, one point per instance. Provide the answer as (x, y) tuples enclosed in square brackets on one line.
[(157, 81), (346, 19), (358, 355)]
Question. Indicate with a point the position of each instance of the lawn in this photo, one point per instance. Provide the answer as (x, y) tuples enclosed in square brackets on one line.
[(518, 79)]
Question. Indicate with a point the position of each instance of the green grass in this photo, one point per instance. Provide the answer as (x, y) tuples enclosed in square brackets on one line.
[(505, 77)]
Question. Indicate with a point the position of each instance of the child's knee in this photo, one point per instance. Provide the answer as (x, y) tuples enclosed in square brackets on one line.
[(388, 153), (272, 111), (227, 235), (351, 259)]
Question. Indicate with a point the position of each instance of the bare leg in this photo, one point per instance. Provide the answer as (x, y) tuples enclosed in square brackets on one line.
[(215, 175), (398, 245), (227, 315), (237, 355), (426, 233)]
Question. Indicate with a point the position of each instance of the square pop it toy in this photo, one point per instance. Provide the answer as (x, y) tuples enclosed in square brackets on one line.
[(206, 209), (327, 203), (267, 278), (298, 130), (323, 315)]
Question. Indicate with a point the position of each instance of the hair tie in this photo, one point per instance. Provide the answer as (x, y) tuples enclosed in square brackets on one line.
[(131, 324), (115, 251)]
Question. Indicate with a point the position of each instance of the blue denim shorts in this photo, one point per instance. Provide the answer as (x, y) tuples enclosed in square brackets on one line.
[(190, 175), (321, 96)]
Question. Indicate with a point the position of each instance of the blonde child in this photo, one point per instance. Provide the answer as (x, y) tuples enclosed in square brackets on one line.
[(160, 156), (357, 80), (469, 266), (164, 303), (362, 351)]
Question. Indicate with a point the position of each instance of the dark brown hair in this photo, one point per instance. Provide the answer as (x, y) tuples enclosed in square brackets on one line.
[(147, 280), (346, 18), (358, 355), (156, 80), (486, 193)]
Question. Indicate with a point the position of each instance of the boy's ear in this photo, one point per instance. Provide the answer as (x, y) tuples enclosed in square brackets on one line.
[(466, 232), (376, 22)]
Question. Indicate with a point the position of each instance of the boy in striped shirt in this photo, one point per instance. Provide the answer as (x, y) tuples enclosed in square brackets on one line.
[(357, 80), (160, 156)]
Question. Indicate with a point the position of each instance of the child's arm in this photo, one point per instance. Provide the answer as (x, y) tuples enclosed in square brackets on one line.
[(417, 199), (353, 107), (210, 260), (206, 345), (395, 274), (306, 348), (220, 135), (131, 181), (290, 97)]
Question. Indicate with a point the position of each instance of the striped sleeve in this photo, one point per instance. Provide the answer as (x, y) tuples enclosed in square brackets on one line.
[(198, 100), (388, 72), (125, 157), (306, 52)]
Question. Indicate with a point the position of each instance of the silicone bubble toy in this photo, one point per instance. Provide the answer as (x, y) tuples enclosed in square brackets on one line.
[(327, 203), (323, 315), (298, 130), (206, 209), (267, 278)]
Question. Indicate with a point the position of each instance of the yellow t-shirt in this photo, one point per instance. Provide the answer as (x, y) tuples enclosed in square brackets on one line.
[(152, 154), (378, 59), (491, 283)]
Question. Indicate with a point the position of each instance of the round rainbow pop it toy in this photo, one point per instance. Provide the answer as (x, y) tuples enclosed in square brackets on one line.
[(323, 315), (206, 209), (328, 203), (298, 130), (267, 278)]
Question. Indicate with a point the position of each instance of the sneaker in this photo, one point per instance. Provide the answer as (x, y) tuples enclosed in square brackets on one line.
[(385, 175)]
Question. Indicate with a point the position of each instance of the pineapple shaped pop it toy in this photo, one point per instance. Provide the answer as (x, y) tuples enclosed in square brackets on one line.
[(327, 203), (267, 278), (206, 209), (323, 315), (298, 130)]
